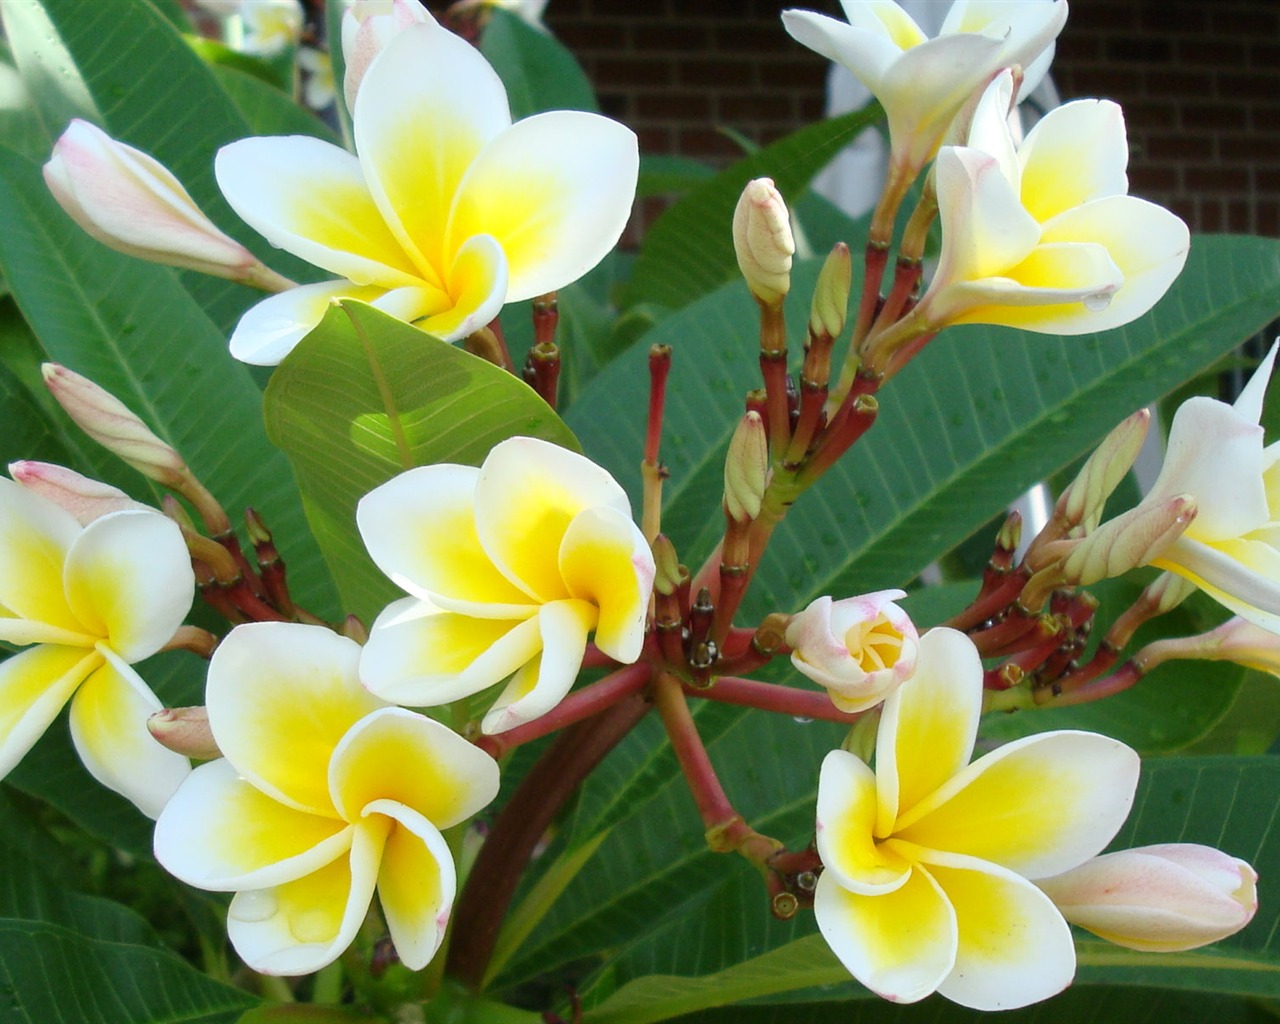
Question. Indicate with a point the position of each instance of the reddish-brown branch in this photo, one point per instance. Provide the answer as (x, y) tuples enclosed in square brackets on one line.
[(782, 700)]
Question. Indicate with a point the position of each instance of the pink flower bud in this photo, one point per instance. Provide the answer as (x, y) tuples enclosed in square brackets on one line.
[(763, 242), (131, 203), (861, 648), (367, 27), (185, 731), (1158, 898), (84, 498), (109, 422), (1083, 500)]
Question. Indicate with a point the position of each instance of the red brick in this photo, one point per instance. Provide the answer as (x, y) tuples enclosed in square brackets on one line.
[(673, 107), (1150, 179), (667, 37), (1215, 116), (717, 72), (1250, 84), (1180, 82), (747, 38), (1250, 149), (755, 108), (1174, 16), (1211, 52), (623, 71), (1268, 218), (1216, 179)]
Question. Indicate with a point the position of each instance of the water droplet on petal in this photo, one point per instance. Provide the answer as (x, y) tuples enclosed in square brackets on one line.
[(254, 905), (801, 720), (1097, 302)]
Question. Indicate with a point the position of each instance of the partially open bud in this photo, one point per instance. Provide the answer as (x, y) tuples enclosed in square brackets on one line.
[(185, 731), (746, 469), (1135, 538), (669, 574), (109, 421), (861, 648), (763, 242), (1236, 640), (1158, 898), (131, 203), (831, 293), (367, 27), (84, 498), (1082, 502)]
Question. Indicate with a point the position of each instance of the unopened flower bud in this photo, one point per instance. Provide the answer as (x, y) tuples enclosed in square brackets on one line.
[(746, 469), (669, 573), (109, 421), (763, 242), (1236, 640), (1158, 898), (133, 204), (1135, 538), (831, 293), (185, 731), (367, 27), (84, 498), (1082, 502), (861, 648), (1167, 591)]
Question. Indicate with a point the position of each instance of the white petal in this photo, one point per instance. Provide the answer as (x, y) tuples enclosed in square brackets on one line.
[(426, 107), (129, 579), (300, 926), (1077, 153), (309, 198), (34, 685), (280, 696), (605, 559), (867, 52), (476, 282), (109, 727), (564, 211), (424, 656), (269, 331), (415, 761), (35, 535), (528, 492), (846, 817), (542, 683), (1249, 402), (218, 832)]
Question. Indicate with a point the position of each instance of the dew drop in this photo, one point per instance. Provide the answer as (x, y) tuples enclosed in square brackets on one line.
[(1097, 302), (801, 720), (254, 905)]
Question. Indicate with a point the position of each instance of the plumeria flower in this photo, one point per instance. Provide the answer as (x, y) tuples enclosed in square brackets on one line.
[(319, 89), (1159, 898), (1216, 454), (927, 858), (1043, 236), (449, 210), (86, 603), (270, 26), (510, 566), (861, 648), (324, 795), (922, 83)]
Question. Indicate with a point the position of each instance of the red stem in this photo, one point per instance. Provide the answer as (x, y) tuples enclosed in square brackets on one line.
[(782, 700), (519, 828)]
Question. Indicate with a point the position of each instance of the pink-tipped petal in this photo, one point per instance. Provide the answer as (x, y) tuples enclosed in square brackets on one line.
[(35, 535), (416, 884)]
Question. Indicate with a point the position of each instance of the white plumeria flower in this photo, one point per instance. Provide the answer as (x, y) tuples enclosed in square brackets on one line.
[(927, 859), (1163, 898), (324, 795), (319, 89), (1216, 454), (1043, 236), (87, 602), (448, 212), (130, 202), (860, 648), (923, 83), (510, 566), (270, 26)]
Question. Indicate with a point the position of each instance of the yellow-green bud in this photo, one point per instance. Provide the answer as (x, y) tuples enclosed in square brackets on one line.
[(746, 469), (762, 240)]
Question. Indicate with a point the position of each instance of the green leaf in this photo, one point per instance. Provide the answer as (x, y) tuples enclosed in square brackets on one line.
[(689, 250), (267, 110), (49, 975), (538, 72), (364, 397), (131, 328)]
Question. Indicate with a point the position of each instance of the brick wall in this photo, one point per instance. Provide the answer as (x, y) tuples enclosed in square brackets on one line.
[(1200, 84)]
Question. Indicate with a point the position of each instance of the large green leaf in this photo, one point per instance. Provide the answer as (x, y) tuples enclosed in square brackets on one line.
[(50, 975), (689, 250), (131, 327), (364, 397)]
